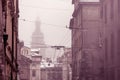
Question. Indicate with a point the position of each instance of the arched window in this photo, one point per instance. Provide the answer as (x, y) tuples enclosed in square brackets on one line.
[(26, 51)]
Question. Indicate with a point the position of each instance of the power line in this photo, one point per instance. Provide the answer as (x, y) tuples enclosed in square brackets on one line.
[(68, 41), (38, 7), (65, 40), (56, 49), (60, 26)]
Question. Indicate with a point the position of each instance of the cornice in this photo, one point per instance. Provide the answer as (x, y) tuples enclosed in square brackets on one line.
[(77, 9)]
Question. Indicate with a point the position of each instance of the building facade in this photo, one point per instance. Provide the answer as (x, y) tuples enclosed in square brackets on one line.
[(87, 33), (108, 40), (66, 64), (26, 51), (111, 18), (35, 67), (24, 68), (51, 73), (24, 62), (9, 37), (1, 38)]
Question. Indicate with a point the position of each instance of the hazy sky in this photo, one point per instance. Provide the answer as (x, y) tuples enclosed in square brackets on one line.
[(54, 16)]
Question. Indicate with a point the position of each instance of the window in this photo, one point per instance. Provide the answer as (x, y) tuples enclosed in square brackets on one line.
[(106, 49), (26, 51), (112, 10), (101, 12), (105, 13), (119, 6), (33, 73), (111, 74), (106, 58), (112, 48), (118, 45), (23, 52), (118, 73)]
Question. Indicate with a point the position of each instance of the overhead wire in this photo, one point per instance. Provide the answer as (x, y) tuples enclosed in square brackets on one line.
[(63, 39), (52, 25), (60, 54), (38, 7), (78, 48), (68, 41), (47, 23), (58, 26)]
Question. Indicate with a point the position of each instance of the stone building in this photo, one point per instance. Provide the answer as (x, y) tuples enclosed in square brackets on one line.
[(26, 51), (1, 38), (24, 62), (35, 67), (109, 40), (24, 68), (67, 64), (29, 63), (87, 33), (37, 51), (9, 37), (51, 73), (65, 61), (111, 17)]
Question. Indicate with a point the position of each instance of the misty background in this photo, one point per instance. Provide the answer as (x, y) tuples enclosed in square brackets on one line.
[(54, 16)]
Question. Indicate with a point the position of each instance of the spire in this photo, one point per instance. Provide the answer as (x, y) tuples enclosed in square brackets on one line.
[(38, 24), (37, 36)]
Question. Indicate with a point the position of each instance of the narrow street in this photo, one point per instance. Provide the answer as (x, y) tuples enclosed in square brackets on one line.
[(59, 39)]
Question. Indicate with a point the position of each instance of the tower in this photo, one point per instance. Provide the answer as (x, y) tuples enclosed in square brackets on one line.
[(38, 39)]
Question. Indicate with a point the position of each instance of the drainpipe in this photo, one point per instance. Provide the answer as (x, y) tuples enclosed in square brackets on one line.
[(12, 47)]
